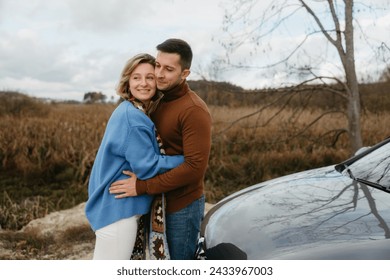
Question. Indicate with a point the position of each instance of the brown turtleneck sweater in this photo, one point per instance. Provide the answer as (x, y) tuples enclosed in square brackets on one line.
[(184, 124)]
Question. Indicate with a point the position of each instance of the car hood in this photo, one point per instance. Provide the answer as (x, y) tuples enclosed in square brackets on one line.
[(307, 210)]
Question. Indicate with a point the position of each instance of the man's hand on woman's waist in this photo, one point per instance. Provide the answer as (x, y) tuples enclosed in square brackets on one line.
[(126, 187)]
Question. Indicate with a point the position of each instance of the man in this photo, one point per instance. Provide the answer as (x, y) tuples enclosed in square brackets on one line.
[(184, 124)]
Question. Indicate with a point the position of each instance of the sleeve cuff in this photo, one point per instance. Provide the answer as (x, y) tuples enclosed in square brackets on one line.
[(140, 187)]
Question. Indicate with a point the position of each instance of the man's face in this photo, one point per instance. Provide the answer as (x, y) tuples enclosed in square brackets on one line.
[(168, 70)]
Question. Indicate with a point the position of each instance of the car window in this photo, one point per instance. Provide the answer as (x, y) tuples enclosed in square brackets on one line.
[(371, 166)]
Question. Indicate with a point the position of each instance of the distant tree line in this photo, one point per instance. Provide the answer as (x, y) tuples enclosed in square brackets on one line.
[(94, 97)]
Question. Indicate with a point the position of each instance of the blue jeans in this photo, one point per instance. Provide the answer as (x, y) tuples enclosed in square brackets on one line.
[(183, 229)]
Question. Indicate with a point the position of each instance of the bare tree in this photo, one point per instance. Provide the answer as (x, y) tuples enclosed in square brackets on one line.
[(335, 22), (343, 41), (385, 77)]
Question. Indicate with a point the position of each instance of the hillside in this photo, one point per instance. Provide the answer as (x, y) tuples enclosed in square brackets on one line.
[(375, 97)]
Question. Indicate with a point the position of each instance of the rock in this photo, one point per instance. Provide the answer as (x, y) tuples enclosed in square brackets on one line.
[(57, 223)]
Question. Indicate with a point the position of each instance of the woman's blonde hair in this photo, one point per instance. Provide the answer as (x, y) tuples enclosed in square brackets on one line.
[(123, 86)]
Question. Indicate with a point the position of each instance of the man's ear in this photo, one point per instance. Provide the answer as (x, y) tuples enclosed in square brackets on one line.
[(185, 73)]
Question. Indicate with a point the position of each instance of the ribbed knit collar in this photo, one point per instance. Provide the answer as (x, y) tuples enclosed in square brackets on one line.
[(176, 92)]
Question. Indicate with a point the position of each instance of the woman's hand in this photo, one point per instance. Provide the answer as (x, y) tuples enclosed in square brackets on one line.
[(126, 187)]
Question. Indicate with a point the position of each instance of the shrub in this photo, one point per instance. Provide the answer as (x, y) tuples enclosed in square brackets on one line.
[(20, 105)]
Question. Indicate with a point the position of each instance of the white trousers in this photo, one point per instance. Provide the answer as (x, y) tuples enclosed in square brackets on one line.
[(116, 241)]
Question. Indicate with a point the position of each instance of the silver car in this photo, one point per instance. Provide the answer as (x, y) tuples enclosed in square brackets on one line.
[(335, 212)]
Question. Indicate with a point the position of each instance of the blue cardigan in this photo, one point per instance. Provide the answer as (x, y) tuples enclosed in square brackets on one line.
[(129, 143)]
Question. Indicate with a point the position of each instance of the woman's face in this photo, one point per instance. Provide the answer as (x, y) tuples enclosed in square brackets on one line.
[(143, 83)]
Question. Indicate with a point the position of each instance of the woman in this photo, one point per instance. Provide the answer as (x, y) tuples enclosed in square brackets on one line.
[(129, 143)]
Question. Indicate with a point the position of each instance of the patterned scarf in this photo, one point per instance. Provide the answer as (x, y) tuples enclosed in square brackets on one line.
[(155, 234)]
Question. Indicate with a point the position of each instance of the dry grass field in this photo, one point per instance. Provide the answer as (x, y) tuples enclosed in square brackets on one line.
[(250, 152), (47, 150)]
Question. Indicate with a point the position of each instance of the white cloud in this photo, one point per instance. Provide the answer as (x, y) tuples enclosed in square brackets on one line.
[(40, 88), (66, 48), (84, 44), (108, 16)]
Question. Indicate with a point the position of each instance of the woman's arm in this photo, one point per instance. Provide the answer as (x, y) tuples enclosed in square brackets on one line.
[(143, 154)]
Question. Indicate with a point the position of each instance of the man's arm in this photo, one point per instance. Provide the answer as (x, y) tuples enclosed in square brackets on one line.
[(196, 131)]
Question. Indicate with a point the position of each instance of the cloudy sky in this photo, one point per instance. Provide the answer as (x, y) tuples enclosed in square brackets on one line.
[(62, 49)]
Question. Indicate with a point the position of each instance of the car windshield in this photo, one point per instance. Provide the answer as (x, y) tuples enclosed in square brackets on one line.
[(371, 167)]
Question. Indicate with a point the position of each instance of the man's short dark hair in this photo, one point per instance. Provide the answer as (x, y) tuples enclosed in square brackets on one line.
[(179, 47)]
